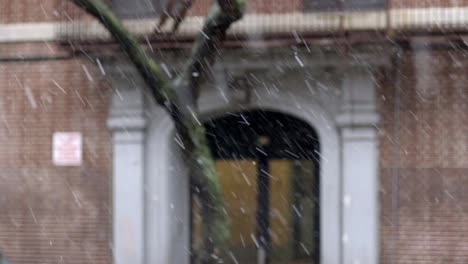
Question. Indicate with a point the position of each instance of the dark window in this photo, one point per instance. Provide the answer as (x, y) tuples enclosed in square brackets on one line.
[(137, 8), (364, 4), (320, 5), (332, 5)]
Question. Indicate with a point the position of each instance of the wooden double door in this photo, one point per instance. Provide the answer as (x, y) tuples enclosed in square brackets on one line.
[(268, 168)]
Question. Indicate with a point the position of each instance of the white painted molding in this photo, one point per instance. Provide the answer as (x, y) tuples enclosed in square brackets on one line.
[(360, 196), (358, 108), (28, 32), (358, 134), (253, 24), (128, 199), (129, 123), (127, 108), (357, 119)]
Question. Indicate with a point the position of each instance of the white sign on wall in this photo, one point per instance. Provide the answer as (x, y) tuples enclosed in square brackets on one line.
[(67, 149)]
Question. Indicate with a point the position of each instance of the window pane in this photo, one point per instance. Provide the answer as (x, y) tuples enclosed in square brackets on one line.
[(320, 5), (137, 8), (293, 211), (364, 4), (330, 5)]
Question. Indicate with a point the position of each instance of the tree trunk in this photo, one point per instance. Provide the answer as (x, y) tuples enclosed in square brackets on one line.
[(179, 99)]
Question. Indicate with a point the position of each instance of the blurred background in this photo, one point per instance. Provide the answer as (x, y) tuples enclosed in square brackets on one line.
[(339, 130)]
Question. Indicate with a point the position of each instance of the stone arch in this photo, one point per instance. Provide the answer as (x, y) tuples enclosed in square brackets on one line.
[(167, 215)]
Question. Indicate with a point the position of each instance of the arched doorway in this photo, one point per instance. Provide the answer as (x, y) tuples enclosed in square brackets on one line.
[(268, 164)]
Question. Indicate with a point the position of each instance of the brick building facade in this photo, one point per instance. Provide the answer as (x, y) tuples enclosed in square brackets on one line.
[(65, 214), (424, 142), (54, 214)]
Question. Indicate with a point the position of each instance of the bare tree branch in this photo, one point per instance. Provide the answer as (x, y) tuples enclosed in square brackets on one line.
[(177, 10), (148, 68), (233, 8), (179, 99)]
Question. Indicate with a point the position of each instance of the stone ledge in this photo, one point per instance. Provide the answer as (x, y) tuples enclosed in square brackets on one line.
[(359, 134), (357, 119), (126, 123)]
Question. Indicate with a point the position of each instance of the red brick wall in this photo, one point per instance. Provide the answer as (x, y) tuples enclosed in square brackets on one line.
[(428, 3), (285, 6), (255, 6), (54, 214), (431, 161), (18, 11), (32, 49)]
